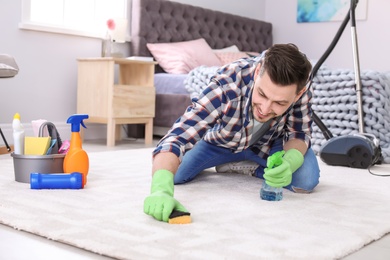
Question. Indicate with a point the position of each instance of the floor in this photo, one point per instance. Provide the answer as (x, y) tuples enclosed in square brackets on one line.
[(35, 247)]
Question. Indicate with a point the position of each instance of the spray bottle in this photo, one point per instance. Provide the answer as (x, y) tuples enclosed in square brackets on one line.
[(18, 135), (76, 159), (268, 192)]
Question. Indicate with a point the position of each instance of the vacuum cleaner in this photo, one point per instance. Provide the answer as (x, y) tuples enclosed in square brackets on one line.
[(359, 150)]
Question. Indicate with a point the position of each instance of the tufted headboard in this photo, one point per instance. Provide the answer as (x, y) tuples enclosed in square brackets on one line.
[(156, 21)]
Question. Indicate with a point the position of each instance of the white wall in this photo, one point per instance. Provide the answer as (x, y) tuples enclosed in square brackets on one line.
[(47, 81), (46, 84), (249, 8), (314, 38)]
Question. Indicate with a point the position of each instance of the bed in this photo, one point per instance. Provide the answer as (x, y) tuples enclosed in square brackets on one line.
[(179, 37)]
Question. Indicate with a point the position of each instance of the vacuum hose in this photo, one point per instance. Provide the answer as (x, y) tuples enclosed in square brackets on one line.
[(327, 134)]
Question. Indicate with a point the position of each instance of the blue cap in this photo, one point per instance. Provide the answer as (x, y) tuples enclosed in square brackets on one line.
[(77, 120)]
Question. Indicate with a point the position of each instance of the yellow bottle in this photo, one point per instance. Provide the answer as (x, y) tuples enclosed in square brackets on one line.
[(76, 159)]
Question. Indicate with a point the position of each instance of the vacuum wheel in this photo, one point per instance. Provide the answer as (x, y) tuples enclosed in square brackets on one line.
[(359, 157)]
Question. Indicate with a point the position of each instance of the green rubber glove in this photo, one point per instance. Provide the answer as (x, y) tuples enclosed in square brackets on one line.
[(281, 175), (160, 203)]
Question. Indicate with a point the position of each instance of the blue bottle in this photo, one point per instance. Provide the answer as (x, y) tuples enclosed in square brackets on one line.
[(268, 192), (56, 180)]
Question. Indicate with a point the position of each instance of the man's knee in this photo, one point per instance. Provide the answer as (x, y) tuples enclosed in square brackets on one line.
[(304, 187), (307, 176), (181, 178)]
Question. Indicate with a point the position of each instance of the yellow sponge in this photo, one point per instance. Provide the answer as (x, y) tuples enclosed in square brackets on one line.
[(36, 145), (179, 217)]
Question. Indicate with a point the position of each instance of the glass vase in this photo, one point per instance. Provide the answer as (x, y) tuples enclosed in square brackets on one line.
[(106, 46)]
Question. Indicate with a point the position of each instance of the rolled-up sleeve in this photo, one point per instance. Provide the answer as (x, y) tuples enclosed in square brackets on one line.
[(299, 120), (194, 123)]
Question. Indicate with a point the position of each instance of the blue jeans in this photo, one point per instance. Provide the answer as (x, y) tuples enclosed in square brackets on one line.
[(204, 155)]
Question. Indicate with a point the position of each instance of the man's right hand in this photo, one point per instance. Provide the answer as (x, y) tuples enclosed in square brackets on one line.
[(160, 203)]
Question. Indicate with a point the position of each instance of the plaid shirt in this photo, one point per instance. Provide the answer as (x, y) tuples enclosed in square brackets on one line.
[(222, 115)]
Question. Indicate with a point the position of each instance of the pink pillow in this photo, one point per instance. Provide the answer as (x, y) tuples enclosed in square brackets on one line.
[(182, 57), (252, 53), (229, 57)]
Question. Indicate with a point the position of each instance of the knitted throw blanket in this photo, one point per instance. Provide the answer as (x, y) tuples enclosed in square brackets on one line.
[(335, 102), (198, 79)]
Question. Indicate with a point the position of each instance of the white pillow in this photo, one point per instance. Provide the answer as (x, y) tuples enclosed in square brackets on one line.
[(232, 48)]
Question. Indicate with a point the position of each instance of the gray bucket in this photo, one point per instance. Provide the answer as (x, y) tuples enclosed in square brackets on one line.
[(24, 165)]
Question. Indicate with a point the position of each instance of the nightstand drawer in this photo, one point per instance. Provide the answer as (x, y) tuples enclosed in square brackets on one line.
[(133, 101)]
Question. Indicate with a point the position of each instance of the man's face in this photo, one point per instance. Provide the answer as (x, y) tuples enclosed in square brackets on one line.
[(270, 100)]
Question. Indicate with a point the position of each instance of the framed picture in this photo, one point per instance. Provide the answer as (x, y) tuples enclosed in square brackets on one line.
[(309, 11)]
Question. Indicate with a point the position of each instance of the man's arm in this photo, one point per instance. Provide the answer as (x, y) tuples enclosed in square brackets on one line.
[(167, 161), (161, 203), (297, 144)]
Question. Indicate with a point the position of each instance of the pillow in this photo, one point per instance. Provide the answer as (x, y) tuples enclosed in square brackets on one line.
[(252, 53), (232, 48), (229, 57), (182, 57), (7, 71)]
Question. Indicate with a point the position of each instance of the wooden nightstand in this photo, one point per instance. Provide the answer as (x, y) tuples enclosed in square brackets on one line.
[(130, 101)]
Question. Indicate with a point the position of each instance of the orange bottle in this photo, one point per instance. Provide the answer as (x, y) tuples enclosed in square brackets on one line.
[(76, 159)]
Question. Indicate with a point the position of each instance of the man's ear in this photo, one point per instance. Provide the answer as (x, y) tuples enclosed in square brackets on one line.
[(257, 71), (298, 96)]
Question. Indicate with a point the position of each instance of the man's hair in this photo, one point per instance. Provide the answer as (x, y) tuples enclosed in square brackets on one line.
[(286, 65)]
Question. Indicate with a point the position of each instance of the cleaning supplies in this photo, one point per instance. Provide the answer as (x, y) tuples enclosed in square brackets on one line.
[(51, 130), (76, 159), (179, 217), (36, 124), (56, 181), (18, 134), (36, 145), (46, 140), (64, 148)]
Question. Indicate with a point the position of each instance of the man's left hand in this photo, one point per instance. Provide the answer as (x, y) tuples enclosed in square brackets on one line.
[(281, 175)]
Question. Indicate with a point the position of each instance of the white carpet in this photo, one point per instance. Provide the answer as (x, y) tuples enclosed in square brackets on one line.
[(350, 208)]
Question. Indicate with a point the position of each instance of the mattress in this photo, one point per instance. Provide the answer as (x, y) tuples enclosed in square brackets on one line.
[(170, 83)]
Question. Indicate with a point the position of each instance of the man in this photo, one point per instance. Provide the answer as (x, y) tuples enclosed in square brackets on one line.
[(251, 109)]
